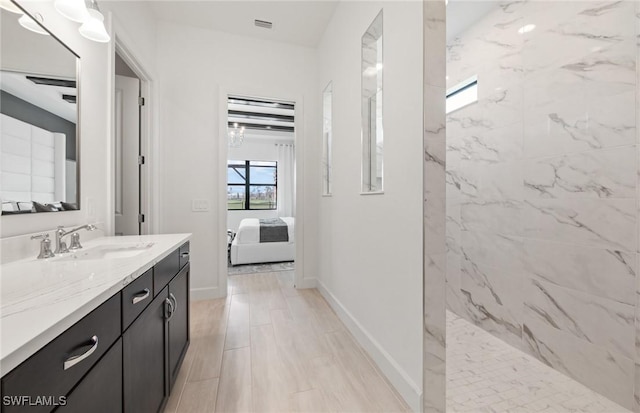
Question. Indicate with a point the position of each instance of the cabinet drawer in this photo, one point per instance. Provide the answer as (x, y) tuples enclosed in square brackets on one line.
[(136, 297), (57, 367), (165, 270), (184, 254), (101, 390)]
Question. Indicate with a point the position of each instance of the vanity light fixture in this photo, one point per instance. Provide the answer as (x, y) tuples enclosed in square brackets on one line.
[(31, 24), (74, 10), (93, 27), (9, 6)]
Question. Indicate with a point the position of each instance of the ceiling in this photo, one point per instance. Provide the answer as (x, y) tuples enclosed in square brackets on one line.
[(300, 22), (462, 14)]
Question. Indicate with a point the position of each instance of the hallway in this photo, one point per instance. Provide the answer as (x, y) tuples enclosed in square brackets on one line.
[(270, 347)]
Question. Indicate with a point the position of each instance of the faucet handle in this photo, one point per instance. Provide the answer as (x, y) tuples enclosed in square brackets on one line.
[(45, 246), (75, 242)]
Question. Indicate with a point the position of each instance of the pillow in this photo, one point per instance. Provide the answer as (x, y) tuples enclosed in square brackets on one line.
[(44, 207), (25, 206), (69, 207), (9, 206)]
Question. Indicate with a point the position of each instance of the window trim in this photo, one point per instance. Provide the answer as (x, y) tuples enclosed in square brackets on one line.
[(247, 185), (461, 87)]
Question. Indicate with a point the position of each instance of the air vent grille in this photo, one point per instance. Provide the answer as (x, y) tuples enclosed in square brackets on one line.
[(263, 23)]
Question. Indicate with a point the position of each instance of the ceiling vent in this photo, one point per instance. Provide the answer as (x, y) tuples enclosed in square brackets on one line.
[(262, 23)]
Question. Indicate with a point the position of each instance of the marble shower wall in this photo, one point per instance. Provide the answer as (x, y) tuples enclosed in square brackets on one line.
[(542, 187), (434, 193)]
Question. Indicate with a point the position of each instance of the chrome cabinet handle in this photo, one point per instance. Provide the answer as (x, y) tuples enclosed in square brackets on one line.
[(73, 360), (140, 296), (171, 309), (175, 302), (185, 254)]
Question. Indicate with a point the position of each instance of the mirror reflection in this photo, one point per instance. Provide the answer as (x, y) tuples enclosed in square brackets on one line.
[(372, 134), (38, 119)]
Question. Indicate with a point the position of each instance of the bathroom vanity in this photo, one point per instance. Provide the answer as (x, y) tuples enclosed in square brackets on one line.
[(102, 329)]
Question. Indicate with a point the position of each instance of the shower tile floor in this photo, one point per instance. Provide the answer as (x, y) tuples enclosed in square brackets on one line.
[(484, 374)]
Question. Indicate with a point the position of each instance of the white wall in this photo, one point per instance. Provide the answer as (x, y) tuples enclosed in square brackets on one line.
[(254, 151), (370, 252), (197, 66)]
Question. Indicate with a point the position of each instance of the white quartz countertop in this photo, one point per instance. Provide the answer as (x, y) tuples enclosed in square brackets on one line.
[(40, 299)]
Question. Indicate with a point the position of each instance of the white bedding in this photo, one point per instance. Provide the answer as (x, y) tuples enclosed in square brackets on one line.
[(249, 230)]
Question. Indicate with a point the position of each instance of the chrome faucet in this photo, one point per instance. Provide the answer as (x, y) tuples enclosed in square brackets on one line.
[(61, 246)]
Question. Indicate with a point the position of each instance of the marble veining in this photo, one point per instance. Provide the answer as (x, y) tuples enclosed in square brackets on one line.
[(543, 201), (42, 298)]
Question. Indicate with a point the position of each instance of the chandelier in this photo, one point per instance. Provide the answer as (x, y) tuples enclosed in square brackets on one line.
[(236, 136)]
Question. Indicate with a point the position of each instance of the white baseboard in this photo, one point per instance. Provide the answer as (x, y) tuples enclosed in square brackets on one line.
[(408, 389), (307, 283), (206, 293)]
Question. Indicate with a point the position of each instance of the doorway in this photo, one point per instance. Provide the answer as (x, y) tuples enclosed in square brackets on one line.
[(128, 157), (260, 185)]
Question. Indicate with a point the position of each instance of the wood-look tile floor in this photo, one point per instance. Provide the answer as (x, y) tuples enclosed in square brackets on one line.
[(268, 347)]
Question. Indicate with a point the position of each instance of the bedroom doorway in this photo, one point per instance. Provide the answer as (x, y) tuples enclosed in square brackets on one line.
[(260, 186)]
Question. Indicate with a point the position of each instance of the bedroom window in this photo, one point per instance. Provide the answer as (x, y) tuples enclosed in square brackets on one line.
[(252, 185), (463, 94)]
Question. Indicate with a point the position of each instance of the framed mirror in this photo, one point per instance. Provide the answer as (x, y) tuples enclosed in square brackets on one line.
[(39, 145), (372, 131)]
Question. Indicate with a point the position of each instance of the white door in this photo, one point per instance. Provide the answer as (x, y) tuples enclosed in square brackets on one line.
[(127, 175)]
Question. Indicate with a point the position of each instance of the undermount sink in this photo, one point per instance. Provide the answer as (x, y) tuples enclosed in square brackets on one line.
[(107, 252)]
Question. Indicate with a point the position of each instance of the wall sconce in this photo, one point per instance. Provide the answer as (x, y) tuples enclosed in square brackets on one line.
[(92, 20)]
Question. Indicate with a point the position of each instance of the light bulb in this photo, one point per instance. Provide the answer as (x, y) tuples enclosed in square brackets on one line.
[(74, 10), (9, 6), (93, 28)]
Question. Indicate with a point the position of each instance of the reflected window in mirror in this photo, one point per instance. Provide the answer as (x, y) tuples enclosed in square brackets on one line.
[(372, 118), (327, 103), (38, 119)]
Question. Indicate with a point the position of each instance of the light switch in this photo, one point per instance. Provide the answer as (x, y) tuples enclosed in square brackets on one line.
[(199, 205)]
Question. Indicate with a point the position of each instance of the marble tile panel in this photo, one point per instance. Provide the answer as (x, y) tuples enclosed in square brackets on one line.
[(493, 300), (574, 125), (599, 321), (434, 328), (503, 106), (608, 223), (492, 146), (500, 216), (501, 181), (636, 398), (604, 173), (602, 272), (606, 372), (595, 27), (434, 225), (493, 250)]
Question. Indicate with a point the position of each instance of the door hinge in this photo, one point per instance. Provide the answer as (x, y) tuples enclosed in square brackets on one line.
[(141, 101), (140, 218), (141, 160)]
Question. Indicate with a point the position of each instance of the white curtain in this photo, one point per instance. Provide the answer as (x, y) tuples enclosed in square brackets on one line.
[(286, 180)]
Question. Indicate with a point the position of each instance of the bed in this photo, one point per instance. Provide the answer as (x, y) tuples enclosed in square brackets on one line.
[(260, 241)]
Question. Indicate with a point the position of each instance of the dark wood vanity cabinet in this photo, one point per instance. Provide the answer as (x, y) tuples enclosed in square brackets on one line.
[(178, 322), (123, 356), (144, 355)]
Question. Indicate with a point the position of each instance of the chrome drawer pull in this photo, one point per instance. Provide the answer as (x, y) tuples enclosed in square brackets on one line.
[(185, 254), (175, 302), (140, 296), (73, 360), (170, 308)]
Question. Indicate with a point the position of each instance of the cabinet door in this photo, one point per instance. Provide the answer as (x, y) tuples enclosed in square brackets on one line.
[(101, 390), (144, 375), (178, 322)]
